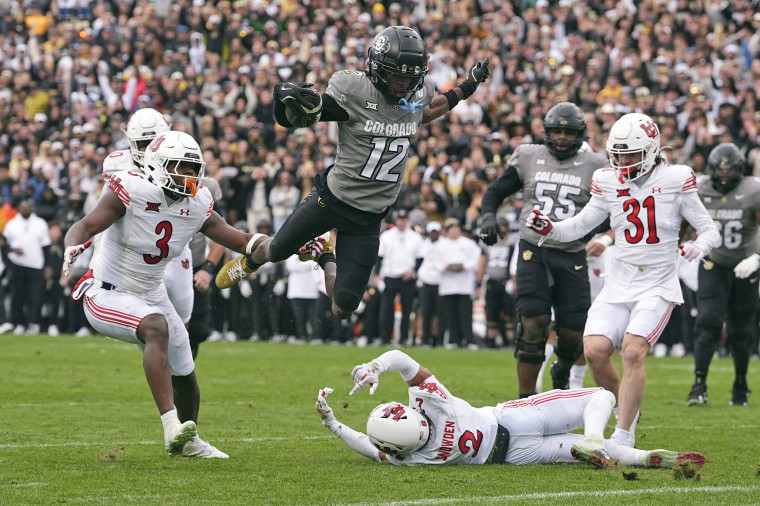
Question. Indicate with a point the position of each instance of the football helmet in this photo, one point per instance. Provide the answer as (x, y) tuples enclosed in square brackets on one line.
[(397, 429), (397, 62), (167, 159), (143, 126), (634, 133), (726, 165), (565, 116)]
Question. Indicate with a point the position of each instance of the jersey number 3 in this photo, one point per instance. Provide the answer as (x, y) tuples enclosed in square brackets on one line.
[(164, 230), (391, 170)]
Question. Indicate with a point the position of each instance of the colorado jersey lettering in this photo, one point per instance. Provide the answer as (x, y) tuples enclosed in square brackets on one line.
[(559, 188), (373, 145)]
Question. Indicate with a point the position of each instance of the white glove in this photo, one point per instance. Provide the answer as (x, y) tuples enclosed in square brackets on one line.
[(691, 251), (71, 254), (748, 266), (245, 289), (279, 287), (225, 293), (323, 409), (366, 374)]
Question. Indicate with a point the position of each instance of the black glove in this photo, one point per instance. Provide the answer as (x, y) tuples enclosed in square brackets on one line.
[(479, 72), (299, 97), (490, 231)]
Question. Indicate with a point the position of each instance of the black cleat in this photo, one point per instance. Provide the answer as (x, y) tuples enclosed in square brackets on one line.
[(739, 394), (698, 395), (560, 378)]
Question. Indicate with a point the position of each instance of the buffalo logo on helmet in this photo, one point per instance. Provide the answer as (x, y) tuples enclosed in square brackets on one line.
[(382, 44)]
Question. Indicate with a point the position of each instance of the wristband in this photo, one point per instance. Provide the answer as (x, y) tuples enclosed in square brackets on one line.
[(468, 88), (327, 257), (451, 96), (207, 266)]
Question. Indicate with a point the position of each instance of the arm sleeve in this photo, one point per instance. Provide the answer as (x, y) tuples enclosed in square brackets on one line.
[(708, 236), (355, 440), (581, 224), (505, 185), (397, 360)]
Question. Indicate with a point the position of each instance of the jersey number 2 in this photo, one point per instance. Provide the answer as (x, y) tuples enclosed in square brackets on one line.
[(389, 171), (164, 229), (633, 207)]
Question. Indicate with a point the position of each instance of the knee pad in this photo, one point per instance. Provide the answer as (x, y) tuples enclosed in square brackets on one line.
[(568, 348), (709, 319), (708, 335), (529, 346)]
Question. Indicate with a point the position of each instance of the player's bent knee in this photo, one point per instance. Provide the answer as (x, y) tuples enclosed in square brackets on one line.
[(708, 335), (153, 328)]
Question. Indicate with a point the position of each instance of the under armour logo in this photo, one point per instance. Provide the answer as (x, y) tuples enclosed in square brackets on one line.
[(184, 212), (153, 206), (372, 106), (656, 190), (625, 192)]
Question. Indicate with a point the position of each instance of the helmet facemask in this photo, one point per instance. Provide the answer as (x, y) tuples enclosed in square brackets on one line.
[(726, 166), (397, 62), (174, 162), (633, 133), (568, 117)]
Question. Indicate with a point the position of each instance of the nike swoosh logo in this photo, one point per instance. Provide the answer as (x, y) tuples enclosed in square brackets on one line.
[(577, 163), (578, 267), (739, 197)]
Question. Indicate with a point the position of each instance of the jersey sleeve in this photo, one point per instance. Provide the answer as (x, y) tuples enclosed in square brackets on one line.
[(590, 217), (341, 86)]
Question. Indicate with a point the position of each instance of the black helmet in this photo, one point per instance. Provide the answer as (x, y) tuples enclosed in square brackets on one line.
[(397, 51), (567, 116), (726, 164)]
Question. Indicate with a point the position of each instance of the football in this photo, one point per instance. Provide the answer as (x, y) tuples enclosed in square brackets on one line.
[(312, 115)]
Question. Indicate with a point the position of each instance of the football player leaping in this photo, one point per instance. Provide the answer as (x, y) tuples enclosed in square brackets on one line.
[(378, 113), (646, 199), (436, 427)]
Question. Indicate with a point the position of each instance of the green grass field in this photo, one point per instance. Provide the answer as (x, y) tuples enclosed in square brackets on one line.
[(78, 426)]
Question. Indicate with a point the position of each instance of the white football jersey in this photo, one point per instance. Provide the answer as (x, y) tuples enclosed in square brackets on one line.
[(118, 161), (134, 250), (459, 433)]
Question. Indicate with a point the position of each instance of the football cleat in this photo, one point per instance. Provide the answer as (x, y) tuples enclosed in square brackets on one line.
[(238, 269), (175, 442), (314, 249), (698, 395), (739, 394), (592, 451), (560, 378), (201, 449), (668, 459)]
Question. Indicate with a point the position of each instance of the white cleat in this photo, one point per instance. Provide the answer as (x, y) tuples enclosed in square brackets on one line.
[(201, 449), (175, 441)]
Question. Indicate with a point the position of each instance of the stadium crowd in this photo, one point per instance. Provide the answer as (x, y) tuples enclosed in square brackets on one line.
[(73, 71)]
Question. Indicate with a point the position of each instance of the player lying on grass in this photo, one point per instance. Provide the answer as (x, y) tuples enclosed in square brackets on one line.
[(438, 428)]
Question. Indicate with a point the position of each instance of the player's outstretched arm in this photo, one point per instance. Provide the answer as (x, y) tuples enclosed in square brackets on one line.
[(221, 232), (355, 440), (395, 360), (446, 101)]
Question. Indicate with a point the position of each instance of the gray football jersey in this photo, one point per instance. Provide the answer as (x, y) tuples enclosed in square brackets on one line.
[(734, 214), (373, 145), (560, 189)]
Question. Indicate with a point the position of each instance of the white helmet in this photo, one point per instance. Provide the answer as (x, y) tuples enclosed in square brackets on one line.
[(142, 128), (634, 133), (169, 152), (396, 429)]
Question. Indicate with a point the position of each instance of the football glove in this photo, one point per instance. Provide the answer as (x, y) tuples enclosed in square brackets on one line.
[(323, 409), (315, 248), (490, 231), (539, 222), (479, 72), (691, 251), (71, 254), (301, 99), (366, 374), (748, 266)]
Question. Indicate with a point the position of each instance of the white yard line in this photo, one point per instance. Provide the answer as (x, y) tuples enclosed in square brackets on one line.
[(562, 495)]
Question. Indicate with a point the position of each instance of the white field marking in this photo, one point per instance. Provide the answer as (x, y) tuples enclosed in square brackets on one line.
[(561, 495), (33, 484), (157, 442)]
